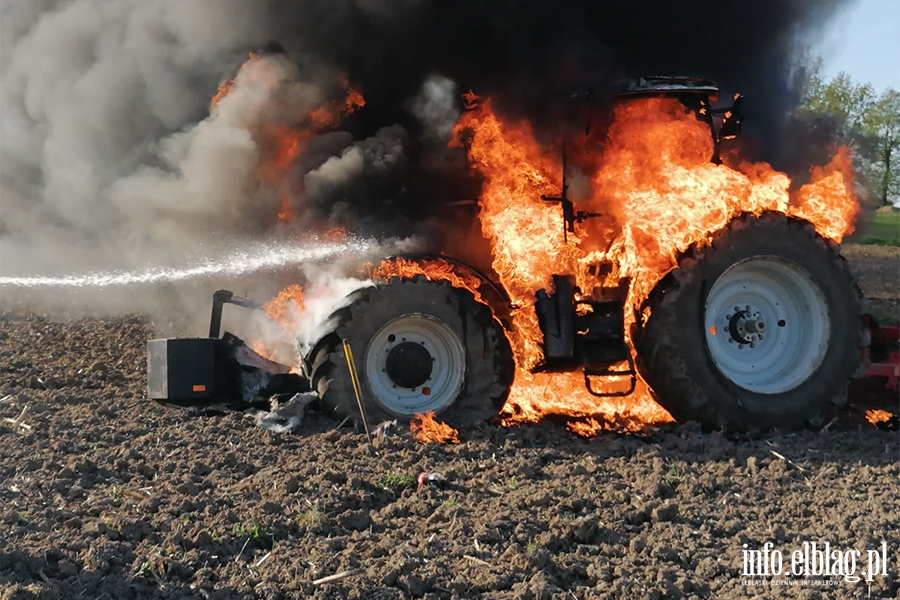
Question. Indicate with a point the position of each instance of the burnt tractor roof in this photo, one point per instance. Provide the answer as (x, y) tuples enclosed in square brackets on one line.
[(695, 93), (668, 86)]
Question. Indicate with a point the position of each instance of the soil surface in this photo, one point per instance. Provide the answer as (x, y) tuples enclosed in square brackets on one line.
[(877, 268), (104, 494)]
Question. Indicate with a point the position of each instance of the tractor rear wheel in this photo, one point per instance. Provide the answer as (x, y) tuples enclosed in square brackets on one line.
[(418, 346), (760, 329)]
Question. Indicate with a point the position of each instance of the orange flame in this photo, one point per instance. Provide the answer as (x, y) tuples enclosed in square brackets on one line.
[(657, 193), (251, 69), (286, 310), (658, 181), (224, 88), (432, 270), (283, 144), (876, 416), (286, 144), (286, 307), (335, 234), (425, 429), (264, 350), (585, 428)]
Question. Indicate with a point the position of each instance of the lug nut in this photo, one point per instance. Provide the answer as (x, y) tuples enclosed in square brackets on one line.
[(752, 345), (740, 346)]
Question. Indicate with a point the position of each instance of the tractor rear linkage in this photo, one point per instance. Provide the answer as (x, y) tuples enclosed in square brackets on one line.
[(883, 353)]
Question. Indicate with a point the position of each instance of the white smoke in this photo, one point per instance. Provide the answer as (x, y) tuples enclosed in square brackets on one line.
[(97, 135), (112, 158), (207, 180), (437, 107)]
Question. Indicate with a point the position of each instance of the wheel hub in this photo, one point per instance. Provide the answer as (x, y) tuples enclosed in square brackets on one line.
[(746, 326), (409, 365)]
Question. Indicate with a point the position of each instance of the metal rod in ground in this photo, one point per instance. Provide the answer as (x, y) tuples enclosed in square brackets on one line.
[(357, 389)]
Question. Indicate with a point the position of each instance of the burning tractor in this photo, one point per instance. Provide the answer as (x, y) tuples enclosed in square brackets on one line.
[(708, 288)]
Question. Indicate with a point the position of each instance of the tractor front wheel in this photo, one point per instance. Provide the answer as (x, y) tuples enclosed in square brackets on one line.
[(418, 346)]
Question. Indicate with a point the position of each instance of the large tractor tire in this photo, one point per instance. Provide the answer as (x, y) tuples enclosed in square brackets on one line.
[(761, 329), (418, 345)]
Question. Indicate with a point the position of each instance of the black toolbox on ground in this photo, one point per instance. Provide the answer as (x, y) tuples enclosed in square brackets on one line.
[(188, 371)]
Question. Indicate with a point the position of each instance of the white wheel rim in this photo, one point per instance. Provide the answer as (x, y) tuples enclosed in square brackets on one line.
[(767, 325), (416, 394)]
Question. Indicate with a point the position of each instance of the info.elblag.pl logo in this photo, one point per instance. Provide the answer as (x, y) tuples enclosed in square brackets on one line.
[(814, 559)]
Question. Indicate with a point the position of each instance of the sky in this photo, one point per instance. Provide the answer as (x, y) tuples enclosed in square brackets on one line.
[(864, 41)]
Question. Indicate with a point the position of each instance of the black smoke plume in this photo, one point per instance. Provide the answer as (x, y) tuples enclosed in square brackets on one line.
[(534, 54), (110, 156)]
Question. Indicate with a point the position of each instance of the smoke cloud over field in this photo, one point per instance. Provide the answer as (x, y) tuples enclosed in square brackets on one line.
[(111, 155)]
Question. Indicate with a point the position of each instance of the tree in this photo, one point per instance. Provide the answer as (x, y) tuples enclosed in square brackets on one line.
[(866, 122), (881, 125)]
